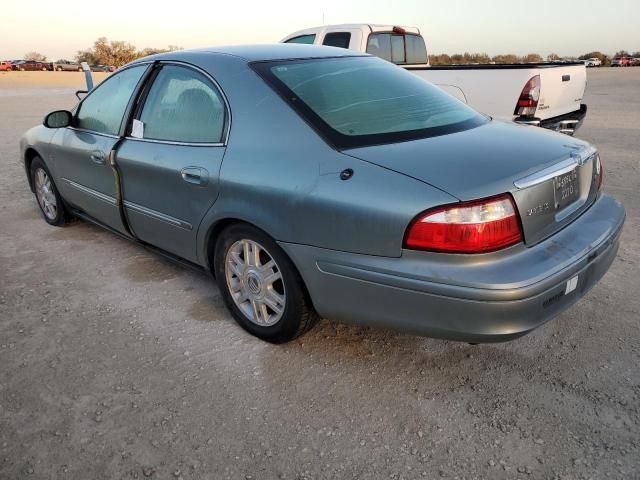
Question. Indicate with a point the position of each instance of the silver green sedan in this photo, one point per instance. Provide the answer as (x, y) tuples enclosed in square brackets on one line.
[(317, 182)]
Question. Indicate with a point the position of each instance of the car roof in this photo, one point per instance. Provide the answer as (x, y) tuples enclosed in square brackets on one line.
[(261, 52)]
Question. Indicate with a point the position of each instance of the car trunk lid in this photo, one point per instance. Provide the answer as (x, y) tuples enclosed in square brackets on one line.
[(550, 176)]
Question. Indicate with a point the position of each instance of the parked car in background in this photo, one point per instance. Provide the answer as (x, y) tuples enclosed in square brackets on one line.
[(66, 66), (101, 68), (345, 187), (635, 62), (547, 94), (5, 65), (593, 62), (32, 65), (621, 62)]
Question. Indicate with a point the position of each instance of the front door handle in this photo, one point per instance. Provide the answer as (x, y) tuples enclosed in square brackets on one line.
[(195, 175), (98, 157)]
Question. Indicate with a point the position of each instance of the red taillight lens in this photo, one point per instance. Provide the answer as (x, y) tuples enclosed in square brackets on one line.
[(469, 227), (528, 101)]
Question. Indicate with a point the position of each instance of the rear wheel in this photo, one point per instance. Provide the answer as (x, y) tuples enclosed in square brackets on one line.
[(47, 195), (261, 286)]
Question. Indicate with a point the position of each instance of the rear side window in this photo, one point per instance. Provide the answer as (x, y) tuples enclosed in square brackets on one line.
[(402, 49), (183, 106), (337, 39), (103, 109), (307, 39)]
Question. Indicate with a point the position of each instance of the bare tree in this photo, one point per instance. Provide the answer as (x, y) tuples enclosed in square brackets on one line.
[(38, 57), (116, 52), (532, 58), (553, 57), (508, 58)]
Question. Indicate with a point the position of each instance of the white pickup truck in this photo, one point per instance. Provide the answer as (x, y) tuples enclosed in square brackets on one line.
[(544, 94)]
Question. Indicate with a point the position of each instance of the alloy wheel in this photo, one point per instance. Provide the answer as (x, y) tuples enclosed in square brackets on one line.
[(45, 194), (255, 282)]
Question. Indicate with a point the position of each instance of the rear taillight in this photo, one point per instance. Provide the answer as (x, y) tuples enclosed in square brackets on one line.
[(528, 101), (468, 227)]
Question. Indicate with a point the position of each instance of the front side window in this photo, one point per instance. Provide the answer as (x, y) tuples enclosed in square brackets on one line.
[(103, 109), (337, 39), (402, 49), (358, 101), (306, 39), (183, 106)]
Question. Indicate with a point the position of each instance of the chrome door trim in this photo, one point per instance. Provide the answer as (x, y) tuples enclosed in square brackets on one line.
[(94, 193), (171, 142), (93, 132), (175, 222)]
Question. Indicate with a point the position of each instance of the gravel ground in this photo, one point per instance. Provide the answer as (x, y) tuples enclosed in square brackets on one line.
[(117, 364)]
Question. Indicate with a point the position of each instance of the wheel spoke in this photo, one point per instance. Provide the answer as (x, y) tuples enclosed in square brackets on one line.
[(256, 310), (272, 277), (275, 301)]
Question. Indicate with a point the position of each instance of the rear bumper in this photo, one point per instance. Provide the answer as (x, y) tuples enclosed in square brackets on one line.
[(568, 123), (473, 298)]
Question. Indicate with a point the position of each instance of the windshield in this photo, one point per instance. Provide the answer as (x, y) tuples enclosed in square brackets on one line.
[(358, 101)]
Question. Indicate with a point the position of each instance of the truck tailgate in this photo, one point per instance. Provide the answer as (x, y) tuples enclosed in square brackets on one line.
[(562, 88)]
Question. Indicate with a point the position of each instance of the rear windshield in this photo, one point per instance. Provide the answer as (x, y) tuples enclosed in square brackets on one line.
[(359, 101)]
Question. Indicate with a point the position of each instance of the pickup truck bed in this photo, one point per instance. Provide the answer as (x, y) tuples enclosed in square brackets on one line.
[(561, 90)]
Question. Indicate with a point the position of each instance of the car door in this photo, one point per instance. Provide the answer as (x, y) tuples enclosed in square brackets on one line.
[(81, 152), (171, 158)]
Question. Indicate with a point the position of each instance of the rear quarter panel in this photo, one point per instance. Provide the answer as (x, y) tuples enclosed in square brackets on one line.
[(279, 175)]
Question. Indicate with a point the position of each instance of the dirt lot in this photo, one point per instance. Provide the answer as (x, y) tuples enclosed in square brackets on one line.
[(117, 364)]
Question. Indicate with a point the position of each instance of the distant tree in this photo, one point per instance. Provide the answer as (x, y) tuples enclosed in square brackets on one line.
[(553, 57), (622, 53), (532, 58), (508, 58), (116, 52), (86, 56), (38, 57), (599, 55), (153, 51), (635, 54), (441, 59)]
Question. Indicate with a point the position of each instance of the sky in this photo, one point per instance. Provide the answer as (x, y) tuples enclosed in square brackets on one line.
[(58, 28)]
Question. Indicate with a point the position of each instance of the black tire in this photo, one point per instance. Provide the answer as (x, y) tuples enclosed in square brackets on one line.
[(60, 217), (298, 315)]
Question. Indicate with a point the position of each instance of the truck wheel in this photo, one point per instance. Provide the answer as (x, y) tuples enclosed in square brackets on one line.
[(59, 69), (260, 285), (47, 195)]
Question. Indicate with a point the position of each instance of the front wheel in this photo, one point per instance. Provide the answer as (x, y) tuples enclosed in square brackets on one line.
[(47, 195), (261, 286)]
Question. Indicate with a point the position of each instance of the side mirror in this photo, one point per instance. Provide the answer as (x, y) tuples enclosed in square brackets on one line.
[(58, 119)]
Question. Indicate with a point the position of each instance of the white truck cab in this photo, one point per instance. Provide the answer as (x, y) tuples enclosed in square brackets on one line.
[(543, 94)]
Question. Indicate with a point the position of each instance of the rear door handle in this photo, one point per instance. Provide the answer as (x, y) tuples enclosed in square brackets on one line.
[(195, 175), (98, 157)]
